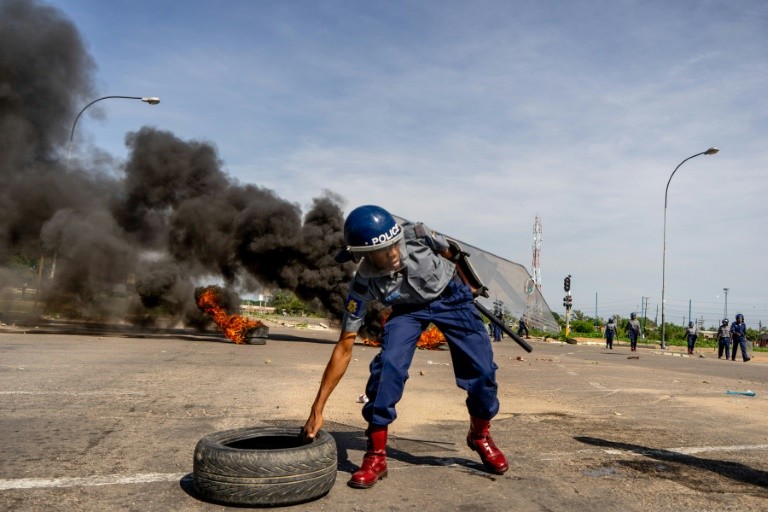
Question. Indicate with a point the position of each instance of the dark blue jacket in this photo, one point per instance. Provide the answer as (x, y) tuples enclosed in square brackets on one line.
[(739, 331)]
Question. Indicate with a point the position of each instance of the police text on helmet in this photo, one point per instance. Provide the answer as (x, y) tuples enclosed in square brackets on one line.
[(385, 237)]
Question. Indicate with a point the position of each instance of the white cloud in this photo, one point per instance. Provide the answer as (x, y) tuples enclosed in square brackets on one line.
[(476, 117)]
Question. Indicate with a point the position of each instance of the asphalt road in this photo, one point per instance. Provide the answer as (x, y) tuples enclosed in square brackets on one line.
[(108, 419)]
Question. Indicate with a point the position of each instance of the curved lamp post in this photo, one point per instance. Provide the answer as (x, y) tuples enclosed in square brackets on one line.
[(710, 151), (152, 100)]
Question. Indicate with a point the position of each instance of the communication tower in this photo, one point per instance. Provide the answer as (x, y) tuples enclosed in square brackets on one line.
[(533, 309), (536, 265)]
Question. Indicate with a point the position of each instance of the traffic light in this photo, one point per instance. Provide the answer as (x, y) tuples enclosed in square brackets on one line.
[(567, 283), (565, 301)]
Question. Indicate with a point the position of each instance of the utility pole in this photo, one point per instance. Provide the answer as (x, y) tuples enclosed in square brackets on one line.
[(596, 321), (725, 313), (644, 309), (568, 303)]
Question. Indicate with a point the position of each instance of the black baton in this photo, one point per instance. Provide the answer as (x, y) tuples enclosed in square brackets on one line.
[(494, 319)]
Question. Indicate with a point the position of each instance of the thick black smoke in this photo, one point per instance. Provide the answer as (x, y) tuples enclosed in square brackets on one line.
[(177, 199), (164, 222), (44, 72)]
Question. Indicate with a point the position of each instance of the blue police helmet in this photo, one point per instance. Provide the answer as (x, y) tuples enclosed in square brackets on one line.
[(369, 228), (725, 321), (739, 315)]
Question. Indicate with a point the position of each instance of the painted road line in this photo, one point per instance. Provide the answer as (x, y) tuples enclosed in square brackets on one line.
[(75, 393), (702, 449), (39, 483)]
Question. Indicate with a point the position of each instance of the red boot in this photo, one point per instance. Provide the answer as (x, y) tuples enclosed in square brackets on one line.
[(374, 466), (480, 440)]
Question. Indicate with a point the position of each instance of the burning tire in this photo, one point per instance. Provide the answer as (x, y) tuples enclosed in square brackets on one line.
[(264, 466)]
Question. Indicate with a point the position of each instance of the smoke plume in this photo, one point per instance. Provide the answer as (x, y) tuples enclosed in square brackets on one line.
[(152, 228)]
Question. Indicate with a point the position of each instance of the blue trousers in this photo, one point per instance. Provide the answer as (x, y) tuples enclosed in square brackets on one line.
[(632, 338), (724, 344), (471, 354), (739, 342)]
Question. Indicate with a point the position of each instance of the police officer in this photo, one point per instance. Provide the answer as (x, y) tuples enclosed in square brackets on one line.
[(405, 267), (723, 340), (739, 336), (522, 328), (610, 333), (692, 334), (633, 329)]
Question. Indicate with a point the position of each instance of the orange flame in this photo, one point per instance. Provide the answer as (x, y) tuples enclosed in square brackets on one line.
[(234, 327), (431, 339)]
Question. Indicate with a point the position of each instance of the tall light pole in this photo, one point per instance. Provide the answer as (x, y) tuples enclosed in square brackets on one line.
[(152, 100), (710, 151), (725, 290)]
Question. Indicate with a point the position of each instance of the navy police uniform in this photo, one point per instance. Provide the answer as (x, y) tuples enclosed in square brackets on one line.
[(426, 289), (739, 336)]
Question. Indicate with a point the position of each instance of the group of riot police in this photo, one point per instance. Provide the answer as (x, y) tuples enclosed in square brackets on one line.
[(736, 333), (729, 337)]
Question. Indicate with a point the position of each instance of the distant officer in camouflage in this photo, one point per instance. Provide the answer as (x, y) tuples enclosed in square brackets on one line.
[(692, 333), (610, 333), (724, 340), (633, 330), (406, 267)]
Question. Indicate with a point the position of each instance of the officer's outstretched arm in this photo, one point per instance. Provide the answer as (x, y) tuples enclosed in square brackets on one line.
[(334, 371)]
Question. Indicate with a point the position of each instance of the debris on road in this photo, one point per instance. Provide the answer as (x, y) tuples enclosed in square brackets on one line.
[(748, 392)]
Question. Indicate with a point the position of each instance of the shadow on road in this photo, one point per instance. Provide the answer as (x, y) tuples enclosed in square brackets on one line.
[(732, 470)]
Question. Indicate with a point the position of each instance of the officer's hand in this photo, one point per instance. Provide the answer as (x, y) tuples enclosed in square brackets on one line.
[(313, 424)]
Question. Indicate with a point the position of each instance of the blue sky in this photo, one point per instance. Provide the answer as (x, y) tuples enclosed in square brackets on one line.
[(474, 117)]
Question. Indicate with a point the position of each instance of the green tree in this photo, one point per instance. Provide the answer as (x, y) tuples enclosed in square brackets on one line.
[(583, 326), (286, 300)]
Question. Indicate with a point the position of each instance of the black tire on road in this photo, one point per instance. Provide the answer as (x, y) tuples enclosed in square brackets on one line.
[(264, 466)]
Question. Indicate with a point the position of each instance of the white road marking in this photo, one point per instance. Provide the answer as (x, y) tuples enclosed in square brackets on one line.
[(142, 478), (702, 449), (645, 451), (74, 393), (38, 483)]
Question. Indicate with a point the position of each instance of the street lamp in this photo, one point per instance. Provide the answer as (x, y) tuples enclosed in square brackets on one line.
[(726, 302), (152, 100), (710, 151)]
